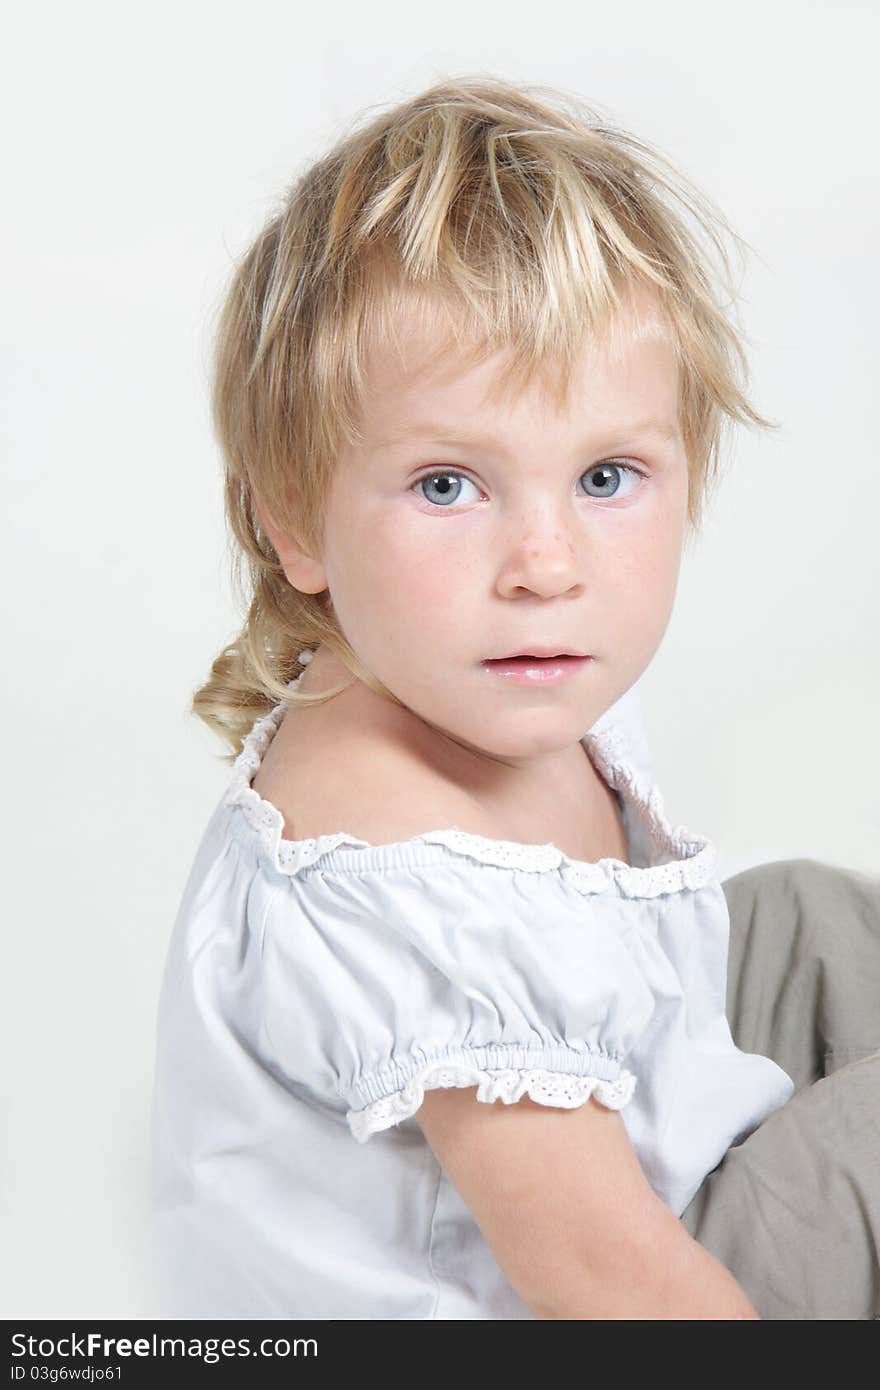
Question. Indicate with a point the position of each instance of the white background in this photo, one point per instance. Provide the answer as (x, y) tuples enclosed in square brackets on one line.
[(143, 148)]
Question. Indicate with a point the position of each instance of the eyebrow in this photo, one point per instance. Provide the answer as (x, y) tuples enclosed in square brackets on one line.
[(443, 434)]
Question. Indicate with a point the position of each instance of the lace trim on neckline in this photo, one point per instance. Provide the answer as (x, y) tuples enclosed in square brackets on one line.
[(563, 1089), (691, 859)]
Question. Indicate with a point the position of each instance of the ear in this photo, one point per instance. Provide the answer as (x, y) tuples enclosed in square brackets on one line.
[(304, 573)]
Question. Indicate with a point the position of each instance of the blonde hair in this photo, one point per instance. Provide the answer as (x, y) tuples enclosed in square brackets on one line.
[(525, 220)]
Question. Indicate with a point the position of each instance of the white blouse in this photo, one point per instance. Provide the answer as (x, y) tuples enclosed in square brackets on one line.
[(314, 989)]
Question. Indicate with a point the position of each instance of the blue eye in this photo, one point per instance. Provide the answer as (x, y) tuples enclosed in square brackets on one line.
[(609, 486), (609, 475), (447, 493)]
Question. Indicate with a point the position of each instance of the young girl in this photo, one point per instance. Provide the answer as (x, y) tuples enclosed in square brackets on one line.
[(442, 1031)]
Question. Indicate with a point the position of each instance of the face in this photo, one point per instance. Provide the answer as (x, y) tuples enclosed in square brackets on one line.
[(467, 527)]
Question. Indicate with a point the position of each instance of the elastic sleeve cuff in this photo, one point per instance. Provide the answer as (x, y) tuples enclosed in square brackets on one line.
[(566, 1090)]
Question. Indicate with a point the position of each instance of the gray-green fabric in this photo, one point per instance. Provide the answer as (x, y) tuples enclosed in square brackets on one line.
[(794, 1210)]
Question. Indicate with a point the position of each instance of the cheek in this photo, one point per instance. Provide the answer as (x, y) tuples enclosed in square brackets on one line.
[(412, 565), (654, 563), (642, 566), (407, 539), (659, 564)]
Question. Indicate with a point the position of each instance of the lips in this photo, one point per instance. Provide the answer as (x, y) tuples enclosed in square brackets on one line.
[(537, 654), (535, 671)]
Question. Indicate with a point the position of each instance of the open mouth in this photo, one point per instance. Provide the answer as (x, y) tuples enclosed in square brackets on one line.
[(531, 660), (536, 670)]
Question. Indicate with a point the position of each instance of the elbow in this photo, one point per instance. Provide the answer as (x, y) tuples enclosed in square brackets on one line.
[(682, 1281)]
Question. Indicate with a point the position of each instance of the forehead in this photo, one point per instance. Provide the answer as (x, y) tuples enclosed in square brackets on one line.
[(427, 360)]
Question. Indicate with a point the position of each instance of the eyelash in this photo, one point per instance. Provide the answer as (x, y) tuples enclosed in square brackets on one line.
[(456, 473)]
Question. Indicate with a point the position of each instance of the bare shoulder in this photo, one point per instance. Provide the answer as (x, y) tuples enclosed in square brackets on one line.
[(325, 779)]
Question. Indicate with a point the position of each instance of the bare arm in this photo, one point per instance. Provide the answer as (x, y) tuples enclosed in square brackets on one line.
[(569, 1215)]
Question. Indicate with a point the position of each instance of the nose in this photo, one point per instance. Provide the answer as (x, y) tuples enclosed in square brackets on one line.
[(542, 560)]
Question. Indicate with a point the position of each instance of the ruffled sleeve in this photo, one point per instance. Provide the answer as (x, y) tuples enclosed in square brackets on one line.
[(381, 985)]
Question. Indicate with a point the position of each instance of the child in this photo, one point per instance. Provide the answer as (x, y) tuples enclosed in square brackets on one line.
[(442, 1030)]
